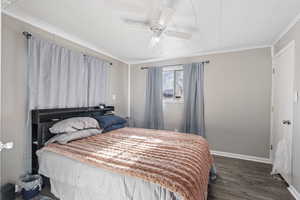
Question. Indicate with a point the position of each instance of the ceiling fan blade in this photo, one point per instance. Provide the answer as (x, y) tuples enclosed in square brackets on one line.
[(178, 34), (154, 11), (172, 3), (141, 24), (166, 16)]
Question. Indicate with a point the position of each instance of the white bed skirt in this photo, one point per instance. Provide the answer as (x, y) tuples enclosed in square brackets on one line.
[(68, 192), (72, 180)]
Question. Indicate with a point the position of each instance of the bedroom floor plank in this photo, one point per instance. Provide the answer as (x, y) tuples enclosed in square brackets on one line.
[(241, 180), (246, 180)]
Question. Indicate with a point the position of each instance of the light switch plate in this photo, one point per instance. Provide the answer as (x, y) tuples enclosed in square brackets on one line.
[(114, 97)]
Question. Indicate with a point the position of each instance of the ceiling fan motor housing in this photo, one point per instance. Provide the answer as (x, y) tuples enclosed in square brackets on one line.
[(157, 29)]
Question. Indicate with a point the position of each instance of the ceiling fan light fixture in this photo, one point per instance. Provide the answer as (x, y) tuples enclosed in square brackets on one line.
[(154, 41)]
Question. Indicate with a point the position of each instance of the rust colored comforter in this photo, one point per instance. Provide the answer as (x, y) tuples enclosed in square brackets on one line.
[(179, 162)]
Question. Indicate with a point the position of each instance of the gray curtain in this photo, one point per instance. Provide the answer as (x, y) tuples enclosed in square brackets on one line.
[(193, 119), (97, 80), (193, 116), (154, 105), (58, 78)]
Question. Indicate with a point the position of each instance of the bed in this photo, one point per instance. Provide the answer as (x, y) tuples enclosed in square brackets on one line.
[(127, 163)]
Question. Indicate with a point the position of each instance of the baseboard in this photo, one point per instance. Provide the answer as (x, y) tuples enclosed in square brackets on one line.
[(242, 157), (294, 192)]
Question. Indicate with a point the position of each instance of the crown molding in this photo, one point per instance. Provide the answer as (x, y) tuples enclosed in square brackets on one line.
[(202, 54), (60, 33), (287, 29)]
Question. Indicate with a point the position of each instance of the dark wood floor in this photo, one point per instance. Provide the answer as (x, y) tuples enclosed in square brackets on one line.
[(246, 180), (243, 180)]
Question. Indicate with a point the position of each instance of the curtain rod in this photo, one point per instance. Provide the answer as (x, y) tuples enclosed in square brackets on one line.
[(203, 62), (29, 35)]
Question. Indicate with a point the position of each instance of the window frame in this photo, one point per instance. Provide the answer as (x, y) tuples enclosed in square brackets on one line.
[(174, 69)]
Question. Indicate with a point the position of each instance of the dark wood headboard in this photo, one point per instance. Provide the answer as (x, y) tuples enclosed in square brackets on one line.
[(43, 119)]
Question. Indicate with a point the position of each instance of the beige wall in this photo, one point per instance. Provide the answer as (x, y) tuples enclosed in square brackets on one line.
[(237, 100), (294, 34), (13, 89)]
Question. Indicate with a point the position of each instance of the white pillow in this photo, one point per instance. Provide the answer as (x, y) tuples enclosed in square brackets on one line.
[(68, 137), (74, 124)]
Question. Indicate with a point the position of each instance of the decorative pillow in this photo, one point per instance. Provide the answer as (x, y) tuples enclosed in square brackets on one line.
[(74, 124), (106, 121), (114, 127), (68, 137)]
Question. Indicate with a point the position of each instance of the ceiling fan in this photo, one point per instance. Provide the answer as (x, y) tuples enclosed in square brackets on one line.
[(158, 24)]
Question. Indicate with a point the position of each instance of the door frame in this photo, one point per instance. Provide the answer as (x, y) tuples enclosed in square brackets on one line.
[(1, 132), (291, 44)]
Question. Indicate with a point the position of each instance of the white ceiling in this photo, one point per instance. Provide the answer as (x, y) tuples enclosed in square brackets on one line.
[(216, 25)]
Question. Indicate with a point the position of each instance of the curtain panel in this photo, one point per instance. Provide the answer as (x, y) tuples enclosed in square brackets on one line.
[(97, 80), (154, 100), (59, 78), (193, 115)]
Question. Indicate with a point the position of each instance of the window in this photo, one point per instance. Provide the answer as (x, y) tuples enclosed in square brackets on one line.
[(173, 83)]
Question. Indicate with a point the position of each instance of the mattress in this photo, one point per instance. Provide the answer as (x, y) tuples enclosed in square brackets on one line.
[(138, 163)]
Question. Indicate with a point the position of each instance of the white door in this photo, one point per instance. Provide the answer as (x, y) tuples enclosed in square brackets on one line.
[(283, 99)]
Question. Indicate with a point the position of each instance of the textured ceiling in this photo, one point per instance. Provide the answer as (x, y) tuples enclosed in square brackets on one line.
[(216, 25)]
